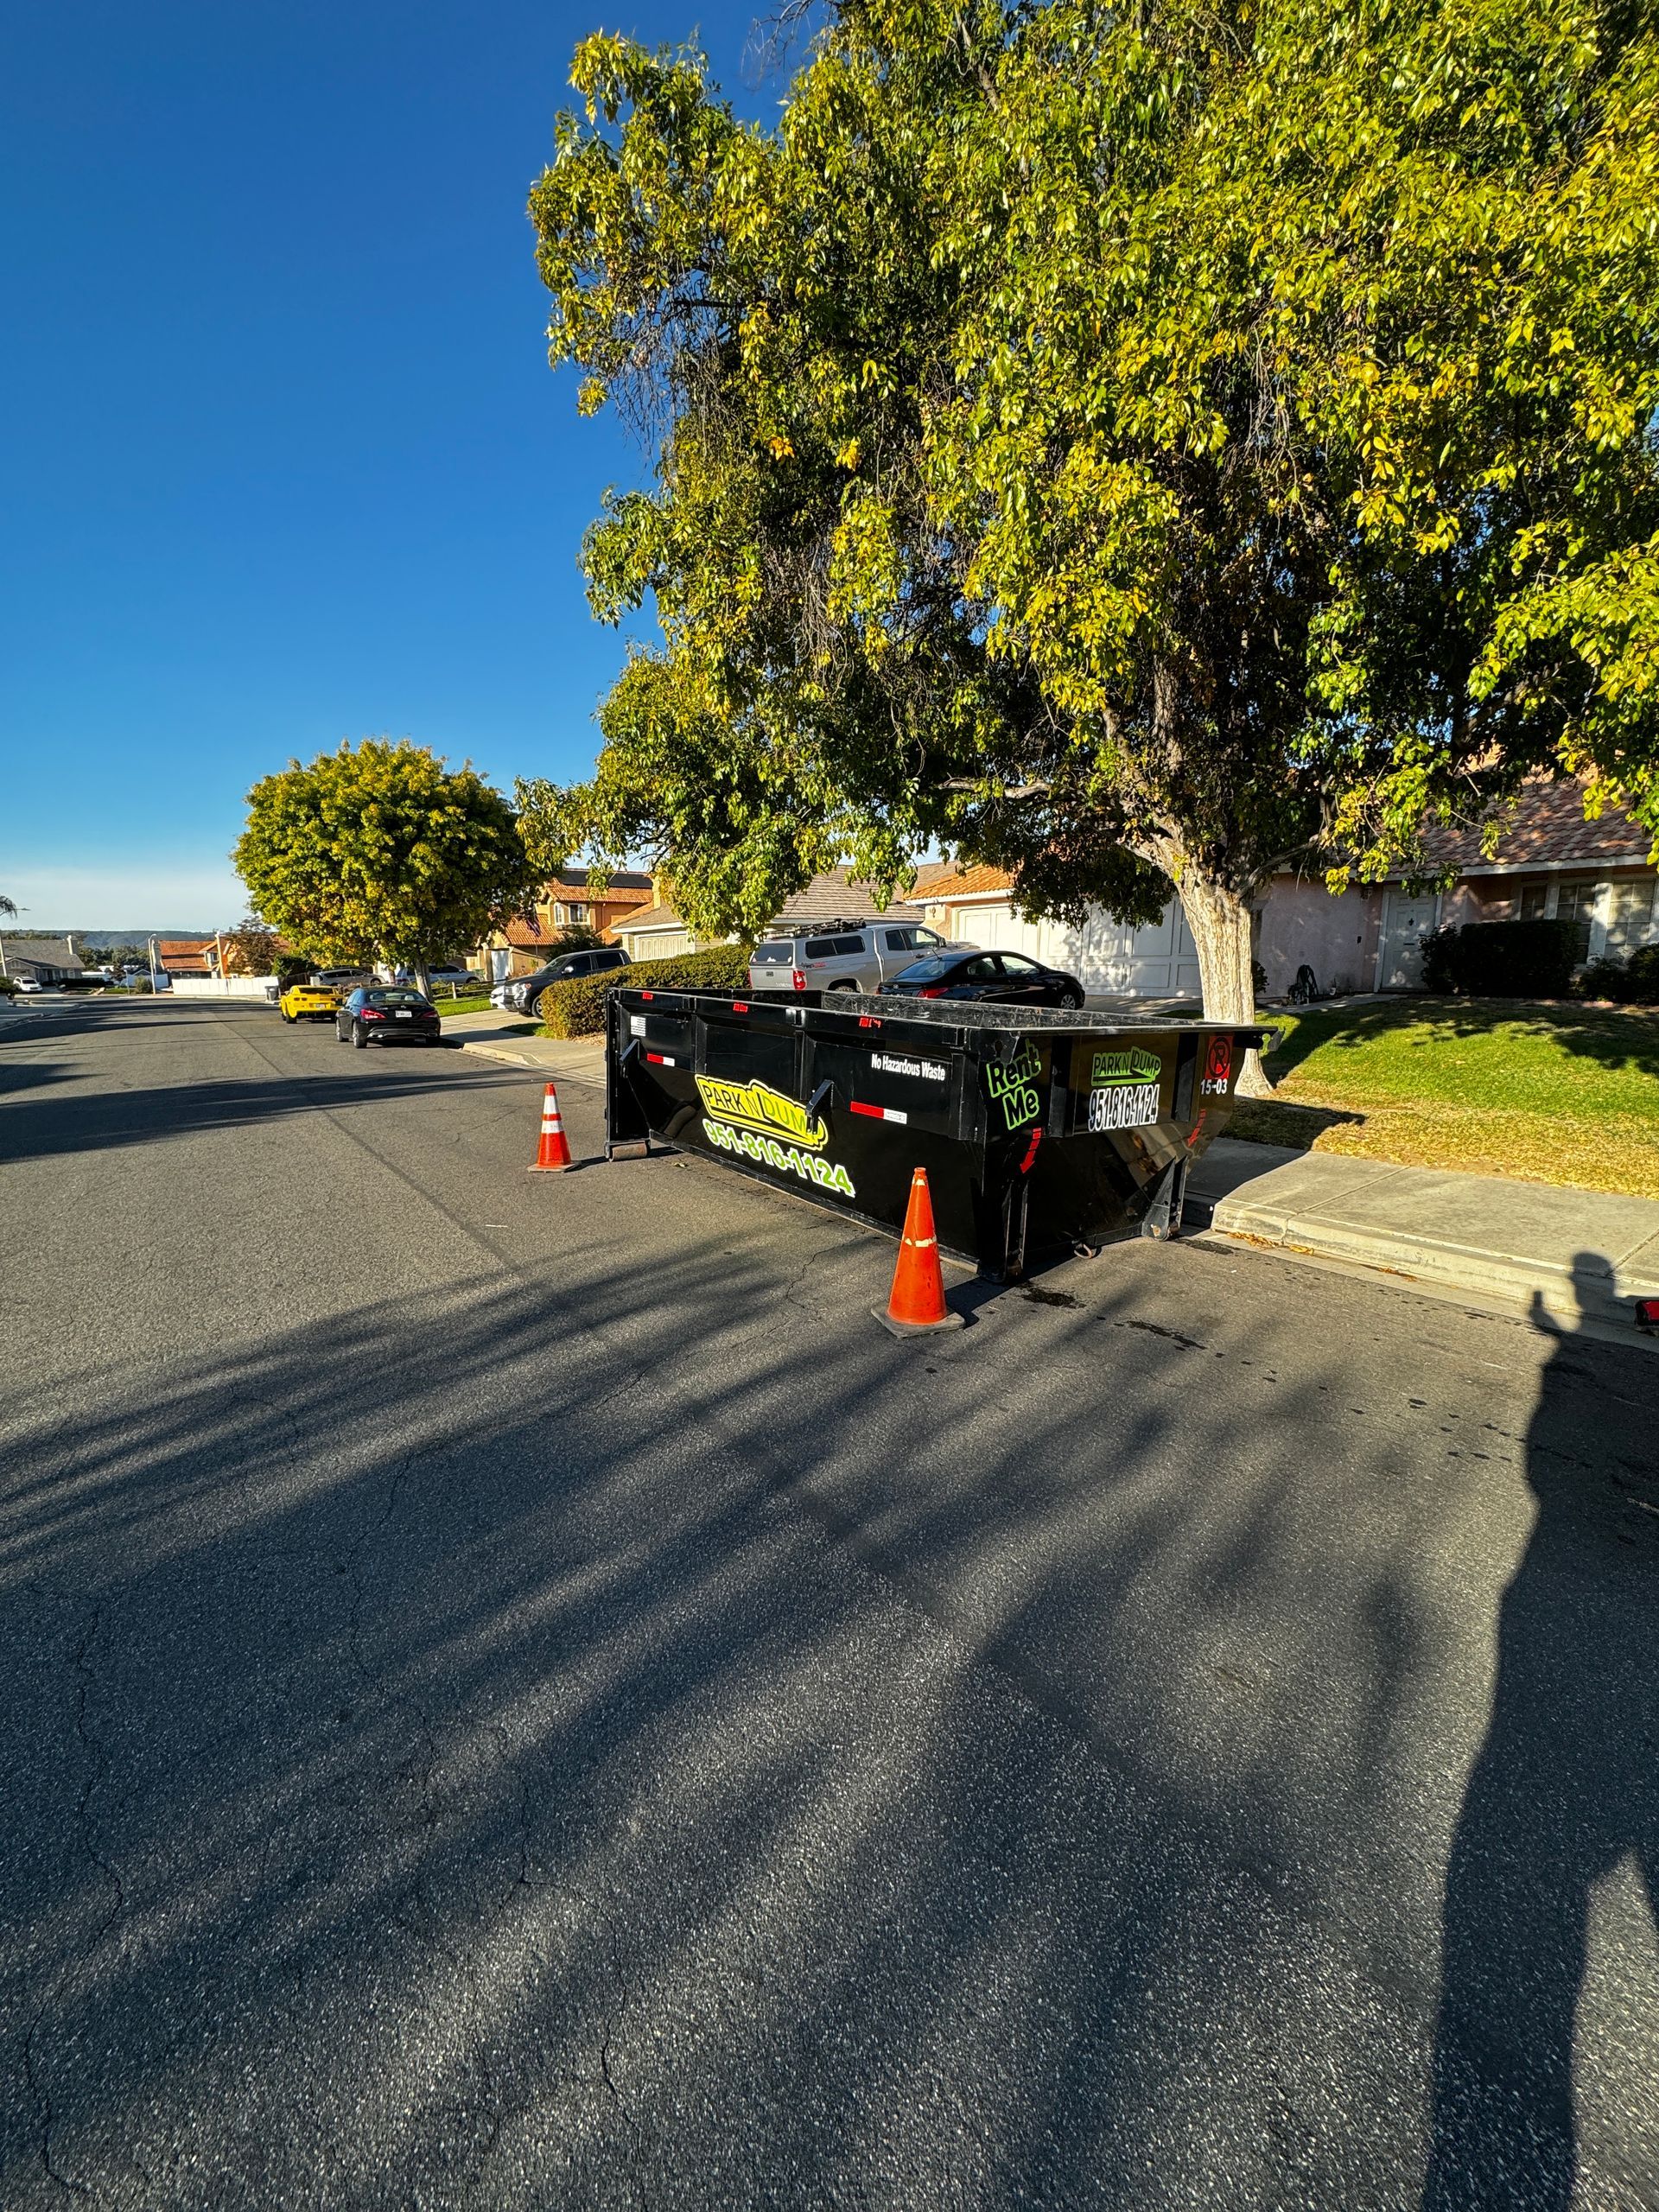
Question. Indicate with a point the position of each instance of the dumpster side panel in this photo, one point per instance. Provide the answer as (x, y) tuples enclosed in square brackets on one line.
[(890, 1111)]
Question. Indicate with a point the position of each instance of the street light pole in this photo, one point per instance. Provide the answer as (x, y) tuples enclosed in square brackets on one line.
[(152, 967)]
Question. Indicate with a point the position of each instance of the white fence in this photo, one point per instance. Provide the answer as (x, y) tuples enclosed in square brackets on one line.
[(222, 987)]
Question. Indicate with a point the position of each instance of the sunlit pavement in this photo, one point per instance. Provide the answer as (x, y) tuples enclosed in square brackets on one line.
[(521, 1693)]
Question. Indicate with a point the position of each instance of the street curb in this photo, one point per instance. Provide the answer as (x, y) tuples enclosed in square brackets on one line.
[(560, 1072), (1506, 1279)]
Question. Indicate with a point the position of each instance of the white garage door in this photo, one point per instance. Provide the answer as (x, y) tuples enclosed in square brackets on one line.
[(1159, 960)]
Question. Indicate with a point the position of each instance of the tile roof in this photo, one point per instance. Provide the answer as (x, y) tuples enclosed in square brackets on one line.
[(976, 882), (835, 897), (1547, 829), (183, 948), (49, 952), (649, 918)]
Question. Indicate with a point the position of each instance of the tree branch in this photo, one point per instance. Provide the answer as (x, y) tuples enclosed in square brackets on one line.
[(974, 783)]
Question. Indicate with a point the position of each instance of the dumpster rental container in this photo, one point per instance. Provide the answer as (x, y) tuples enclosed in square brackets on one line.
[(1043, 1133)]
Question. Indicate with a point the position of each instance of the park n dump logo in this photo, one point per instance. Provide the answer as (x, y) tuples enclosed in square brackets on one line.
[(750, 1118), (1134, 1066), (757, 1106)]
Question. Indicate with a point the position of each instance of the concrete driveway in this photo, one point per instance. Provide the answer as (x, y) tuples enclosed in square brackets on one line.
[(521, 1695)]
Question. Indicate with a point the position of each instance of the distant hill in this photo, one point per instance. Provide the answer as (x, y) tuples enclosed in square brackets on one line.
[(93, 937)]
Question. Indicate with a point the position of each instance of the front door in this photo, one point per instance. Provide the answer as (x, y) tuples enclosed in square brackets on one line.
[(1406, 923)]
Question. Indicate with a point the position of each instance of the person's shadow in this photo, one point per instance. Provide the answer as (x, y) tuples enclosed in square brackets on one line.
[(1565, 1787)]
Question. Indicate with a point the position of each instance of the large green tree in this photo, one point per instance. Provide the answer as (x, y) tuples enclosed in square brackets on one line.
[(1134, 446), (379, 852)]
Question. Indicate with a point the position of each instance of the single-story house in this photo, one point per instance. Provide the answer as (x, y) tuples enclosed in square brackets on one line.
[(975, 905), (225, 958), (568, 901), (837, 895), (188, 955), (1548, 861), (656, 932), (47, 959)]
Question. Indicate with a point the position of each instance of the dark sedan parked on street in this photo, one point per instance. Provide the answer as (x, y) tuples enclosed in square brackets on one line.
[(1005, 978), (387, 1014)]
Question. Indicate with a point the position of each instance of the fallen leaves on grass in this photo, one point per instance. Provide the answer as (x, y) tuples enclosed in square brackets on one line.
[(1562, 1095)]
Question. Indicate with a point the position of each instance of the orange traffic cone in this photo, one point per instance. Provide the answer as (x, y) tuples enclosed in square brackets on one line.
[(554, 1152), (917, 1301)]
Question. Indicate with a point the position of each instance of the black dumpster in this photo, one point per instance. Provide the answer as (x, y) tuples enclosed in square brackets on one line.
[(1042, 1133)]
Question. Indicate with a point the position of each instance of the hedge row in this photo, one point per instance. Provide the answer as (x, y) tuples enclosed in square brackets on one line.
[(577, 1008), (1501, 960), (1634, 982)]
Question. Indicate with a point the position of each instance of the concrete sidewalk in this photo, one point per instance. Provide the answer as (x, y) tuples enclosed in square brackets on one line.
[(520, 1044), (1477, 1236)]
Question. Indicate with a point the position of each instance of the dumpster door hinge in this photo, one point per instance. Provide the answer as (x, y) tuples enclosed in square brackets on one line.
[(1163, 1216), (616, 1062)]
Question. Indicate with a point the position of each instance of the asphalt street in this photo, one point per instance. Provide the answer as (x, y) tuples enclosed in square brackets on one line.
[(521, 1693)]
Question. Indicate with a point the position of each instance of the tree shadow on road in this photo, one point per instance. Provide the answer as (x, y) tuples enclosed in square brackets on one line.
[(567, 1741), (1564, 1792), (100, 1120)]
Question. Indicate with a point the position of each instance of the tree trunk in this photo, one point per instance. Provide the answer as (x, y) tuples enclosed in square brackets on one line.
[(1220, 922)]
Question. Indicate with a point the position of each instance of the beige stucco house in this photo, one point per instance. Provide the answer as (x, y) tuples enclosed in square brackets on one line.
[(1548, 860)]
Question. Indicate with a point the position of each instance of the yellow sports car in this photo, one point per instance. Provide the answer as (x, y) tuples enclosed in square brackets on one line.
[(308, 1002)]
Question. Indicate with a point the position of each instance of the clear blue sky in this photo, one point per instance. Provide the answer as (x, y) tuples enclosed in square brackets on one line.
[(285, 461)]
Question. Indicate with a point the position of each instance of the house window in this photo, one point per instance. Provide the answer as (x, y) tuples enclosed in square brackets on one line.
[(1575, 903), (1630, 913), (576, 912)]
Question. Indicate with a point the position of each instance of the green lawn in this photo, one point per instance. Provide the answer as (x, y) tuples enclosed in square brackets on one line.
[(478, 1002), (1551, 1094)]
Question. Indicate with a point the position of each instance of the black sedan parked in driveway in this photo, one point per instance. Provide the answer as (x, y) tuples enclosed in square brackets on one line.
[(388, 1013), (1006, 978)]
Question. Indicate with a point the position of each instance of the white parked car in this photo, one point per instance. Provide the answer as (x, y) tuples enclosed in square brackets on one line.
[(30, 983)]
